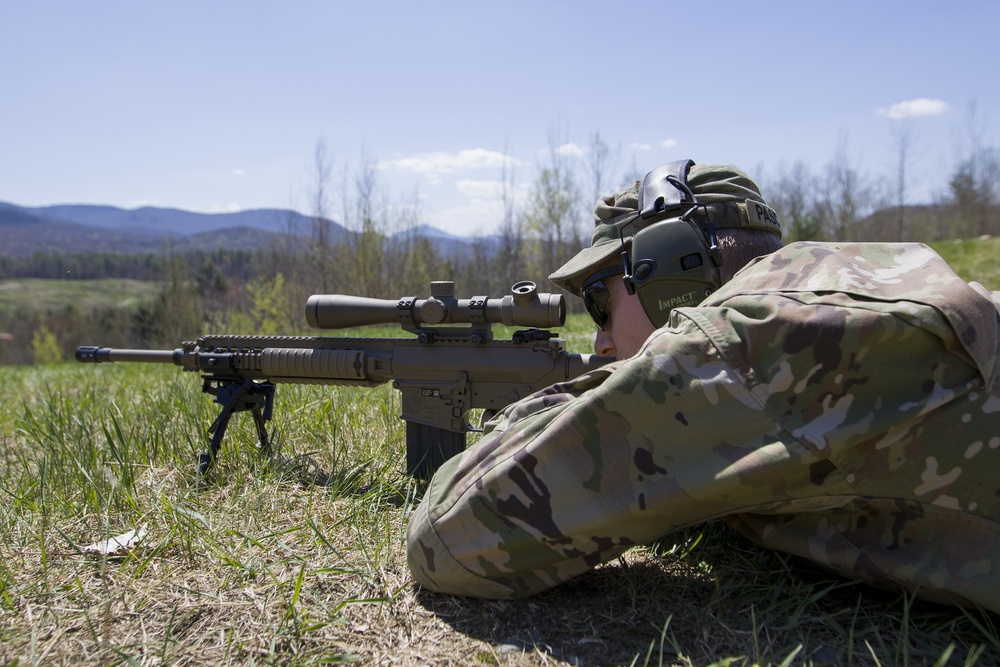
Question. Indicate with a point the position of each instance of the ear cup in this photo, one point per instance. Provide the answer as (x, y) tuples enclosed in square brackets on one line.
[(671, 268)]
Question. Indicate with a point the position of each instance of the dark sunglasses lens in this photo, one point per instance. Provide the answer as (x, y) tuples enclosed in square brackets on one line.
[(595, 298)]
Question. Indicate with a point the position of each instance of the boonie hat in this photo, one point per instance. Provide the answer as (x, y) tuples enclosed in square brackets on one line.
[(732, 198)]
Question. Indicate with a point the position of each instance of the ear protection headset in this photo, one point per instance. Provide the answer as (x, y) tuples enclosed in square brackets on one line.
[(674, 261)]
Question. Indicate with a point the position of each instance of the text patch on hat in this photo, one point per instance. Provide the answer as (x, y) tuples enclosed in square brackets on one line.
[(762, 216)]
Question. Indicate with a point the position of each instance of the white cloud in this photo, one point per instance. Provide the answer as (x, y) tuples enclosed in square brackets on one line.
[(239, 172), (470, 219), (434, 165), (231, 207), (569, 150), (922, 106), (478, 189), (490, 191), (643, 146)]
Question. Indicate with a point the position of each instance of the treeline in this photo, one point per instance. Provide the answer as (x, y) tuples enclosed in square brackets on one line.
[(252, 292), (235, 264), (382, 255), (839, 203)]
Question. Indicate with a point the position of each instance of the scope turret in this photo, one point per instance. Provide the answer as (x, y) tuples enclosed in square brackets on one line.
[(525, 307)]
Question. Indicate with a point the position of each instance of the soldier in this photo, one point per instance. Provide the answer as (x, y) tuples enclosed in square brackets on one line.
[(836, 401)]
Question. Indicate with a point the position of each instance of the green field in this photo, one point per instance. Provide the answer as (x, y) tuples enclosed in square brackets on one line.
[(973, 259), (49, 295)]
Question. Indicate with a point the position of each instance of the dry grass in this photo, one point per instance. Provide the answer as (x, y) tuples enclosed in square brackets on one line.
[(293, 576)]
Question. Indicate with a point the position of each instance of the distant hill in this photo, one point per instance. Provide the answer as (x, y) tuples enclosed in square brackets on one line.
[(171, 220), (22, 232), (82, 228)]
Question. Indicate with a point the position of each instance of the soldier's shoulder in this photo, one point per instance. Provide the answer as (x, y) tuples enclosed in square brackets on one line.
[(882, 269)]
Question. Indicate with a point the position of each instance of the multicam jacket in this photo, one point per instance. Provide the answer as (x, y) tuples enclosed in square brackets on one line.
[(839, 402)]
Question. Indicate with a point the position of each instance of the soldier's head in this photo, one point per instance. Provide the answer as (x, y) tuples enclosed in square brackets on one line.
[(668, 241)]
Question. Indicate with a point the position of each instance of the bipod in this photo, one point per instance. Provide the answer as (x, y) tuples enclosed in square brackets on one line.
[(237, 395)]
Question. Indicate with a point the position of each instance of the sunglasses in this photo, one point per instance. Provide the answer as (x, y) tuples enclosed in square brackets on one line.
[(596, 295)]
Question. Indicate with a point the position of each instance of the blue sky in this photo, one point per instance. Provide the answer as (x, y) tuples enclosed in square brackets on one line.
[(217, 106)]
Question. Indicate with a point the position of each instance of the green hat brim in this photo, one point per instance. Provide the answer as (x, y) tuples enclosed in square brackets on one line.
[(571, 275)]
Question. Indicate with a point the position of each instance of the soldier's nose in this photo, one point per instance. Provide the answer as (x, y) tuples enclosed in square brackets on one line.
[(604, 344)]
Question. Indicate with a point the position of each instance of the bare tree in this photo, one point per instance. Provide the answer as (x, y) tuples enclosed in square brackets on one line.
[(974, 189), (477, 281), (551, 209), (846, 196), (367, 239), (409, 260), (548, 216), (792, 197), (601, 162), (378, 246), (423, 265), (509, 260), (632, 174), (286, 254), (903, 140), (320, 253)]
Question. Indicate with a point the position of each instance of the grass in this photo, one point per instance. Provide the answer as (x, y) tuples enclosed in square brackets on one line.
[(974, 259), (261, 565), (47, 295), (299, 559)]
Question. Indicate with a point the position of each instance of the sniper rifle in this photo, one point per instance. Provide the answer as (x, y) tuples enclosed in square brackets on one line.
[(452, 364)]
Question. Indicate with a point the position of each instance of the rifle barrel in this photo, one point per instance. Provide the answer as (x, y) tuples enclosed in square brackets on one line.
[(96, 355)]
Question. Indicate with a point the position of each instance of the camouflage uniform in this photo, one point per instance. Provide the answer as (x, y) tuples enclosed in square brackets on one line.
[(839, 402)]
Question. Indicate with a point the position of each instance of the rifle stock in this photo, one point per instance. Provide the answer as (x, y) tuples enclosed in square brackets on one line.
[(442, 373)]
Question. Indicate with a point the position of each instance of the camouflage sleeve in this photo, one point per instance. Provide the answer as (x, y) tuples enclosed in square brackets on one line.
[(573, 476), (851, 428)]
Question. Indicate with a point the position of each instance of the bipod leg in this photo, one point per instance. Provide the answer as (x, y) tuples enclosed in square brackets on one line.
[(236, 396), (230, 395), (261, 417), (216, 432)]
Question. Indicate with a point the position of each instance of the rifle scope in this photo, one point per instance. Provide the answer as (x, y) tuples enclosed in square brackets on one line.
[(526, 307)]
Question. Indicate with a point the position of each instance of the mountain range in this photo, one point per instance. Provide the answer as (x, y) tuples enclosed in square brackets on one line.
[(83, 228)]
